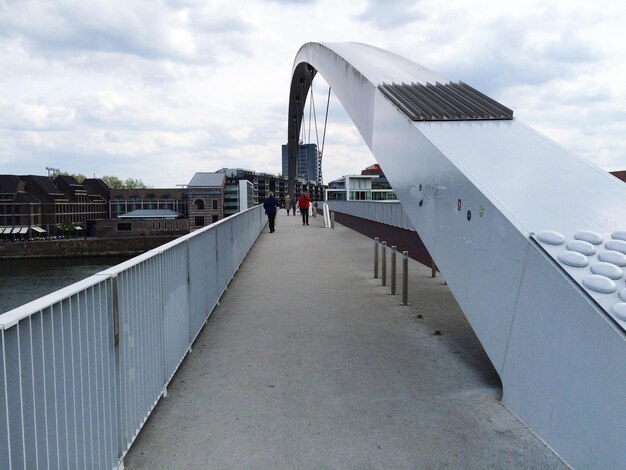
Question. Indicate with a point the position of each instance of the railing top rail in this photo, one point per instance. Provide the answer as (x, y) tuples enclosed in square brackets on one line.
[(12, 317)]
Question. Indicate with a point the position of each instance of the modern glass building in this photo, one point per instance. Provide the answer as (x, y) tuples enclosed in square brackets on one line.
[(308, 167)]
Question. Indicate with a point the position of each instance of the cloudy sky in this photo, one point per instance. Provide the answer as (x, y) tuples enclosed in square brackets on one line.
[(158, 90)]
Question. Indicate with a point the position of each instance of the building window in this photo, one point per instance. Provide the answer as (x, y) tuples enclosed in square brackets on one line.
[(199, 221), (215, 218), (124, 227), (214, 204), (151, 201), (198, 204)]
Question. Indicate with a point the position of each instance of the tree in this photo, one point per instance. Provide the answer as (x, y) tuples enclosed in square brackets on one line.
[(67, 227), (132, 183), (77, 176), (113, 182)]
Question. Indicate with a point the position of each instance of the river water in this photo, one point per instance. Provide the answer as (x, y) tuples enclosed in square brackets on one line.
[(24, 280)]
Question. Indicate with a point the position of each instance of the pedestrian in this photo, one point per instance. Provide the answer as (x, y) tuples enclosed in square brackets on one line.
[(293, 204), (304, 203), (270, 205), (288, 204)]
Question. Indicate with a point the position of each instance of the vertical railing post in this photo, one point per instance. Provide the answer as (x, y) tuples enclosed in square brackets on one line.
[(332, 220), (117, 372), (384, 264), (405, 278), (376, 257), (433, 269), (393, 290)]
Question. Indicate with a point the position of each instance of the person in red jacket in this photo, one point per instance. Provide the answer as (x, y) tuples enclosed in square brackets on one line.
[(303, 204)]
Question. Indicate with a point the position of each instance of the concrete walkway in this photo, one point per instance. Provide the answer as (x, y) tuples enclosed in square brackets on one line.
[(309, 363)]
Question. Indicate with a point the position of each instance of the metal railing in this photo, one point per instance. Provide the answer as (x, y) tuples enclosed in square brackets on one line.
[(82, 368), (386, 212)]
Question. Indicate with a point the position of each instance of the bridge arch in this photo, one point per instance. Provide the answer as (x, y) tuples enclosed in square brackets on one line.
[(496, 205)]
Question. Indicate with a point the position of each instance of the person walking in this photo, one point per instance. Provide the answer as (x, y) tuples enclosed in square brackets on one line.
[(304, 203), (270, 206), (288, 204), (293, 205)]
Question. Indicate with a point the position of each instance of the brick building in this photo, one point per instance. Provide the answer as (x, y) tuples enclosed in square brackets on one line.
[(33, 204), (123, 201), (205, 193)]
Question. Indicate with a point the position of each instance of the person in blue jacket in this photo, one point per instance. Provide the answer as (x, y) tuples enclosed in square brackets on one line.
[(270, 205)]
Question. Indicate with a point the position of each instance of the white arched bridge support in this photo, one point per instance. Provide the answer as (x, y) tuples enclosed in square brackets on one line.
[(507, 215)]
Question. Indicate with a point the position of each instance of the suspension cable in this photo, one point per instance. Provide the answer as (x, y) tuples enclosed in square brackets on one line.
[(310, 111), (317, 137), (325, 122), (302, 121)]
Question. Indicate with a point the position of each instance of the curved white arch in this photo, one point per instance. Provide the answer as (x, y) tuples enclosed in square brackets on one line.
[(478, 192)]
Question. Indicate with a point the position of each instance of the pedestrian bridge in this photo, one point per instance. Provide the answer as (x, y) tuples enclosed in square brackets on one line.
[(306, 362), (530, 240)]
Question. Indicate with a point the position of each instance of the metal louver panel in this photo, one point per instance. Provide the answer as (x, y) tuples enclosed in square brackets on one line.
[(444, 102)]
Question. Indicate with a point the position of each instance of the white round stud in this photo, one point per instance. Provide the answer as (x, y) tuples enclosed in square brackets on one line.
[(581, 246), (600, 284), (620, 311), (619, 235), (614, 257), (622, 295), (550, 237), (589, 236), (607, 269), (573, 259), (616, 245)]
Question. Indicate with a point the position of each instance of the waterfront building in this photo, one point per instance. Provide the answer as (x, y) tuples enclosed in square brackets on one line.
[(370, 185), (32, 205), (205, 192), (96, 188), (83, 207), (262, 183), (238, 195), (308, 163), (123, 201), (381, 189), (19, 210), (144, 223)]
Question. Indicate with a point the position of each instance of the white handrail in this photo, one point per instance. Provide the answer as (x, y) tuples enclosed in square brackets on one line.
[(82, 368)]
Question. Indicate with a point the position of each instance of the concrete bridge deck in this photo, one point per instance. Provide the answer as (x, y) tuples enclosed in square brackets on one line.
[(308, 363)]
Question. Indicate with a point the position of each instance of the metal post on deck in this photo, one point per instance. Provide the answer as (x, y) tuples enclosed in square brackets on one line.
[(433, 268), (384, 264), (405, 278), (376, 257), (332, 220), (393, 290)]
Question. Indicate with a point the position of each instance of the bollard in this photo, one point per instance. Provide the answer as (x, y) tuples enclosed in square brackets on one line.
[(433, 269), (405, 278), (376, 258), (393, 290), (383, 262), (332, 220)]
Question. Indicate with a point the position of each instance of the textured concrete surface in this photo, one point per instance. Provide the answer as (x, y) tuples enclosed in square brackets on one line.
[(309, 363)]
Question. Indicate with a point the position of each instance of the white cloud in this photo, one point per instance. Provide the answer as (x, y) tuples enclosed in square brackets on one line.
[(159, 90)]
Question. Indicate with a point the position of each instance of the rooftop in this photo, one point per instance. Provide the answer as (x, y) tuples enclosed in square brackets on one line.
[(206, 180), (151, 214)]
